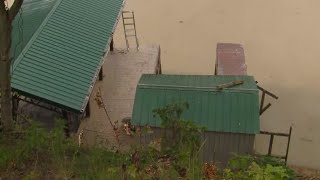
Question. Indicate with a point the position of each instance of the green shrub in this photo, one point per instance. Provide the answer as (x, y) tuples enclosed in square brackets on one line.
[(183, 142), (34, 153), (257, 167)]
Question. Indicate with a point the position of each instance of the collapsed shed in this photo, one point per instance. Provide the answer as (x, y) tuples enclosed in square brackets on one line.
[(231, 115)]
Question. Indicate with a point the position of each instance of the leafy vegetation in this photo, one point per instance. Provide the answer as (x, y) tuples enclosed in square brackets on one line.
[(35, 153), (182, 140), (257, 167)]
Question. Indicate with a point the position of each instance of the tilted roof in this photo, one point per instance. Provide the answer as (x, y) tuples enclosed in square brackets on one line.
[(60, 62), (234, 109)]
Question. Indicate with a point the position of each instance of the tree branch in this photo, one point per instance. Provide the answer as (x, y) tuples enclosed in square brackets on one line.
[(15, 9)]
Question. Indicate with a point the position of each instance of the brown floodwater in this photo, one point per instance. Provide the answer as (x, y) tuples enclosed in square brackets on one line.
[(282, 45)]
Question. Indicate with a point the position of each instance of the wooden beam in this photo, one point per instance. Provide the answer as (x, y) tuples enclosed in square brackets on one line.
[(229, 85)]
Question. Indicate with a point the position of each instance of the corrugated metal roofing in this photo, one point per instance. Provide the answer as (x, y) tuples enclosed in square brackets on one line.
[(61, 61), (230, 59), (219, 147), (233, 109), (33, 12)]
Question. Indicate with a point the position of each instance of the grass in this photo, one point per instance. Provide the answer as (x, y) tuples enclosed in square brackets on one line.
[(34, 153)]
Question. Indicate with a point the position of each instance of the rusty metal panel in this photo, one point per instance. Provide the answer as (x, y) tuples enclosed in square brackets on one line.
[(230, 59)]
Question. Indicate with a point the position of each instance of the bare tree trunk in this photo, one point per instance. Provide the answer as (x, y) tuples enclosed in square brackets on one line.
[(6, 18), (6, 103)]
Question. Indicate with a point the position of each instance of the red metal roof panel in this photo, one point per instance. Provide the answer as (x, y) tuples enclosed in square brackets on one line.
[(230, 59)]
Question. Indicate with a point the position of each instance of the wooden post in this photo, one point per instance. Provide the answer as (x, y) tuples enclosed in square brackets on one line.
[(159, 70), (262, 101), (111, 45), (88, 109), (270, 145), (288, 145), (101, 74), (215, 69)]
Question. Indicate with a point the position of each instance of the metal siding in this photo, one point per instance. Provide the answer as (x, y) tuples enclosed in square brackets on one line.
[(61, 61), (218, 147), (230, 110), (33, 12)]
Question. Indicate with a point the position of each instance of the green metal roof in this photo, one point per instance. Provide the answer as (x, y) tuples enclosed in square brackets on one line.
[(61, 61), (233, 109), (33, 12)]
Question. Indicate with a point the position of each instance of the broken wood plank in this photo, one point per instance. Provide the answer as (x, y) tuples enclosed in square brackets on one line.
[(230, 84)]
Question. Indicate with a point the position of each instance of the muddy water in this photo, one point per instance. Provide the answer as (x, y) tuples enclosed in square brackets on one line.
[(282, 45)]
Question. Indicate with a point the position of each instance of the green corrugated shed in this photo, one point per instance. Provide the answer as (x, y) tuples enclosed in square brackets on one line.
[(234, 110), (60, 63)]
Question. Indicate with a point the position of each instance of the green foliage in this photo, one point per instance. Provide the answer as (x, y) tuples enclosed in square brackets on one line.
[(183, 141), (183, 134), (240, 162), (257, 167), (5, 156), (276, 172), (9, 153), (33, 175), (35, 153), (98, 163), (170, 114)]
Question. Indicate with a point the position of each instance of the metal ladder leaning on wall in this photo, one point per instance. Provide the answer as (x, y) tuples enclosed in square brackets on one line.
[(129, 26)]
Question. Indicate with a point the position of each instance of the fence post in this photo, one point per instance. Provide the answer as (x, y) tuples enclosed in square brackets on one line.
[(289, 138), (270, 145)]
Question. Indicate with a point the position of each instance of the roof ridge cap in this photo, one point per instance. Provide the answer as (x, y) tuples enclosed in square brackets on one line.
[(36, 34)]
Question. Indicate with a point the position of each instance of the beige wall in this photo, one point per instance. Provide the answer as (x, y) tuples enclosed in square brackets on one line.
[(282, 47)]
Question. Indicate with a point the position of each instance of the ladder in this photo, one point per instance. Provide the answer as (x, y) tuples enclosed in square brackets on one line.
[(129, 26)]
